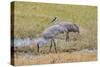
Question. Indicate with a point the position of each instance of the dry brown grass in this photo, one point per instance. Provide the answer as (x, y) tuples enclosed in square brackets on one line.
[(78, 56)]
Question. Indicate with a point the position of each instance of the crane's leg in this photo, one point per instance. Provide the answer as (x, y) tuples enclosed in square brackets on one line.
[(67, 36), (50, 46), (38, 48), (54, 45)]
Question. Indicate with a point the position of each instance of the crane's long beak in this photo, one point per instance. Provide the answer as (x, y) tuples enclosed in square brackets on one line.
[(38, 48)]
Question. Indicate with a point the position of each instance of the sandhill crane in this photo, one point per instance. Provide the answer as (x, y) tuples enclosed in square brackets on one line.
[(51, 32), (69, 27)]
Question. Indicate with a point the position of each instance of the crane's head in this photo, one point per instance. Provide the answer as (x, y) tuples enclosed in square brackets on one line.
[(41, 41), (76, 28)]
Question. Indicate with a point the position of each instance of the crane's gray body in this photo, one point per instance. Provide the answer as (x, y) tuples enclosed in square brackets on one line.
[(52, 31), (69, 27)]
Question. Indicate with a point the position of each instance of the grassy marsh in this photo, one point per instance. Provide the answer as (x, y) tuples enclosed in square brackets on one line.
[(32, 18)]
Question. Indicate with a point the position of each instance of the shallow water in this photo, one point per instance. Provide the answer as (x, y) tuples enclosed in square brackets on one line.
[(28, 41), (23, 42)]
